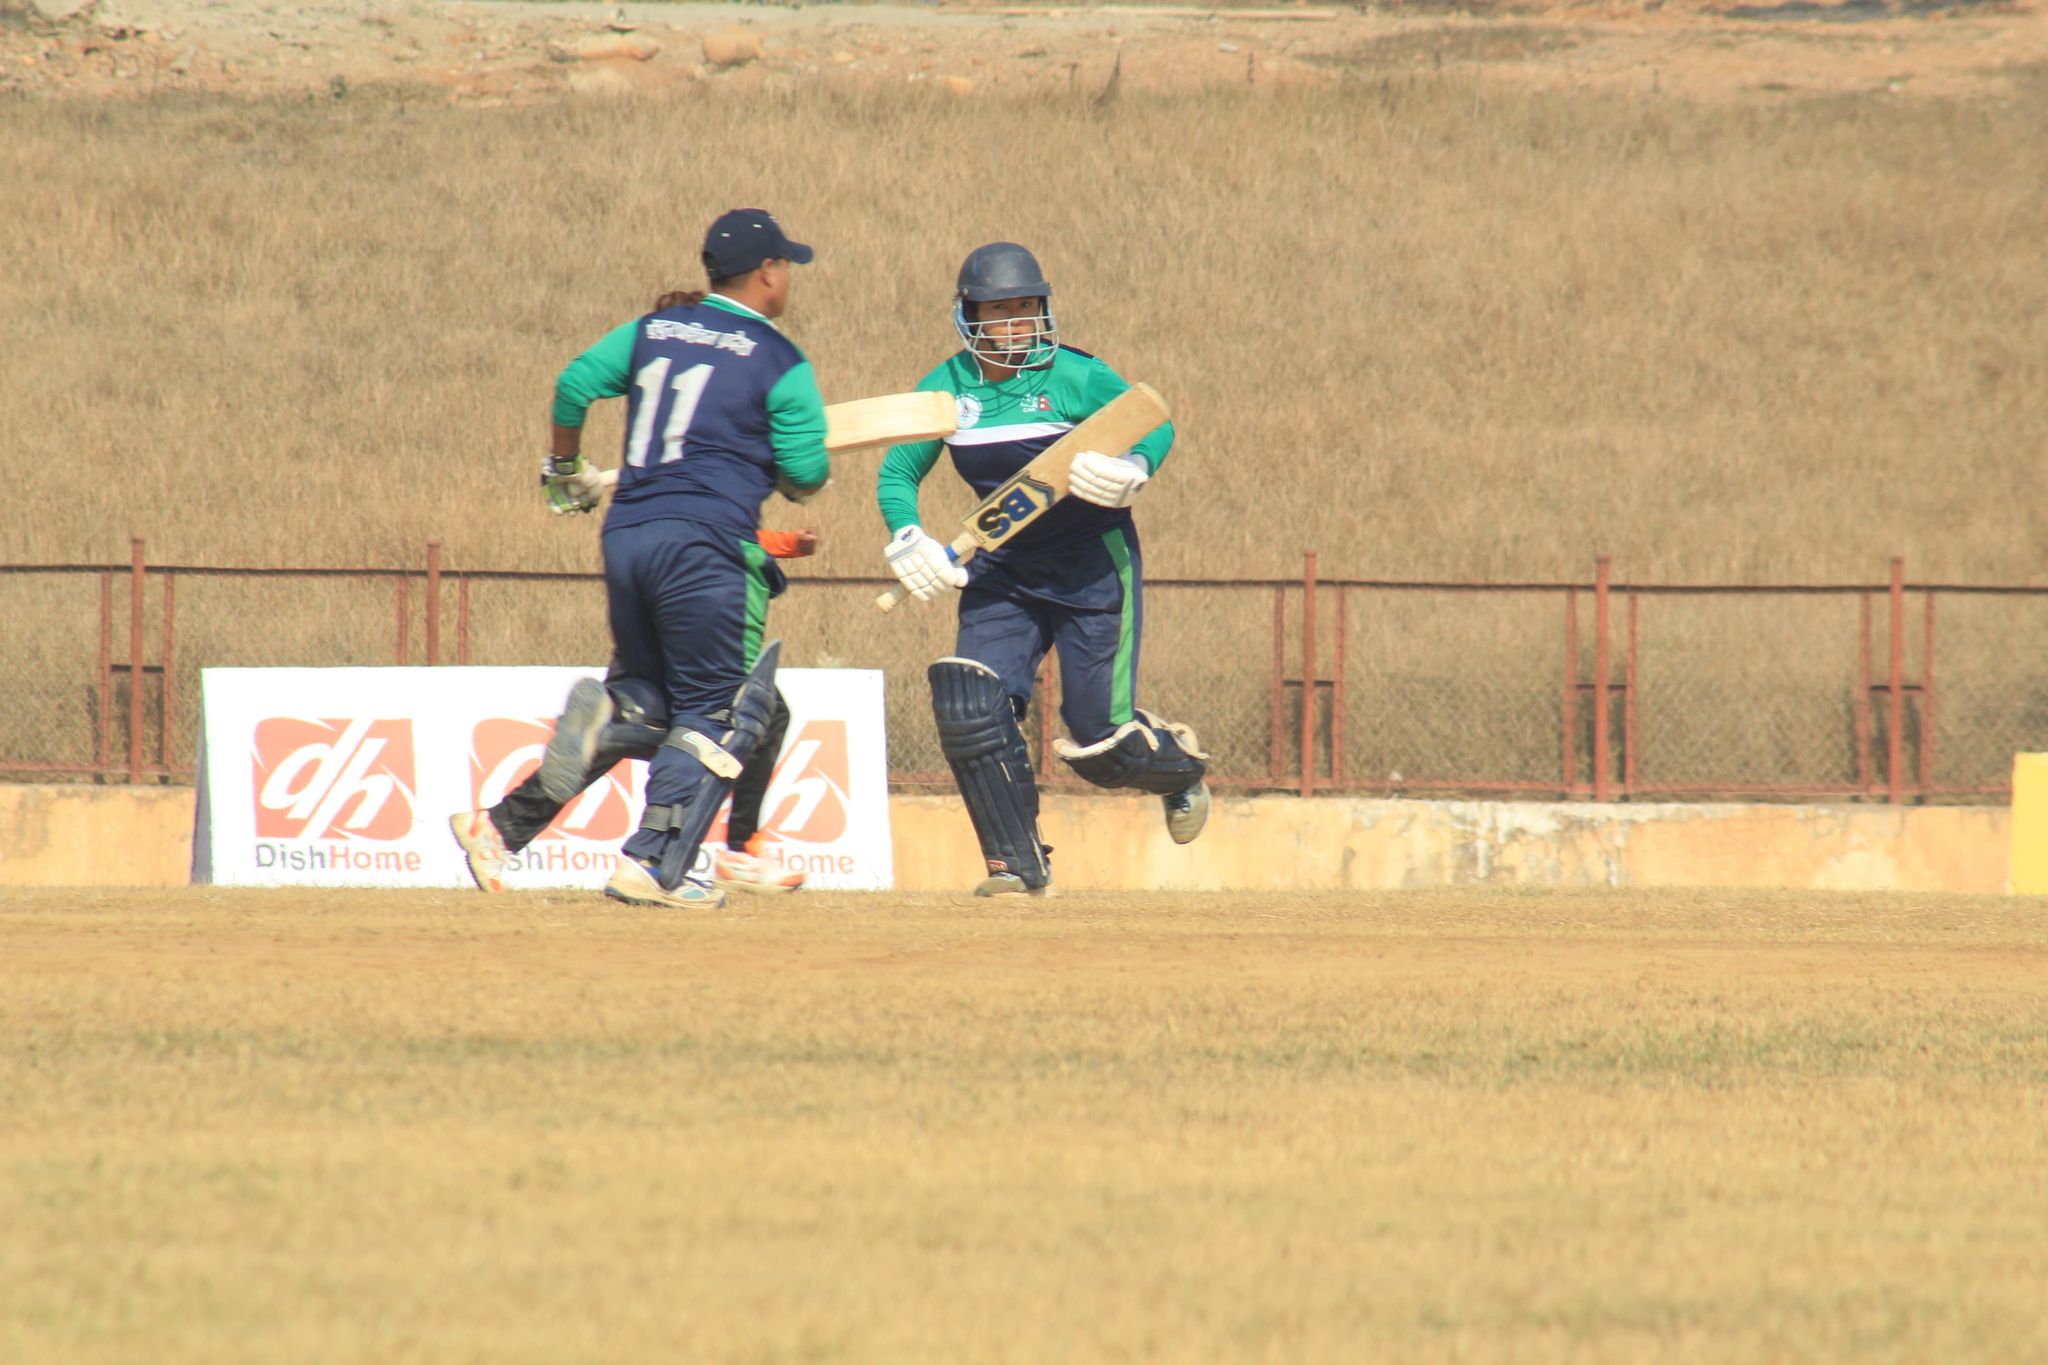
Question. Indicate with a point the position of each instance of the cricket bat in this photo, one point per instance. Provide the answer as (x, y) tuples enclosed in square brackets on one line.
[(1032, 490), (888, 420)]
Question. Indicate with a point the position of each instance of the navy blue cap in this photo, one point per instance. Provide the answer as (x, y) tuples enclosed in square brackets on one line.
[(741, 239)]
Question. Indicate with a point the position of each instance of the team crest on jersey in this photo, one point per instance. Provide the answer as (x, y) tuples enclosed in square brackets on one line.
[(970, 411), (1035, 402)]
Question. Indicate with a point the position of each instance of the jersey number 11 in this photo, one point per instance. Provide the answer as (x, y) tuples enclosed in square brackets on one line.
[(689, 387)]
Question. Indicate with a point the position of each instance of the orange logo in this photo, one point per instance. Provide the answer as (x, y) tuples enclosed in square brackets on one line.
[(333, 779), (503, 753), (807, 799)]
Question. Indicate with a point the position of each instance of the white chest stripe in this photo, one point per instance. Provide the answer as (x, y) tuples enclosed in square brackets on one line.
[(1018, 431)]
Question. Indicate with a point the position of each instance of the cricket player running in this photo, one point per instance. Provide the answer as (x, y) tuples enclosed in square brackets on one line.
[(637, 728), (1072, 581), (722, 410)]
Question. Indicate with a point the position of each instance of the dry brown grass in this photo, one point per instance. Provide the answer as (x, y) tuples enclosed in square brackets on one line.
[(1426, 326), (1456, 1126)]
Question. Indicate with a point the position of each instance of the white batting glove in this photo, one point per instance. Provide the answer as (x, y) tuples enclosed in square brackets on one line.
[(570, 484), (1106, 480), (922, 565)]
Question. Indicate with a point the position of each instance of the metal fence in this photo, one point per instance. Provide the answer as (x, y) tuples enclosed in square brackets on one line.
[(1601, 689)]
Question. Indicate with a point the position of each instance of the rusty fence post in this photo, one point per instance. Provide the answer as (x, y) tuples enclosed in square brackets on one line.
[(1570, 726), (1601, 757), (1275, 764), (434, 600), (137, 577), (1337, 699), (1895, 704), (103, 747), (1859, 699), (1308, 672), (1629, 728), (165, 719), (398, 651), (1927, 698)]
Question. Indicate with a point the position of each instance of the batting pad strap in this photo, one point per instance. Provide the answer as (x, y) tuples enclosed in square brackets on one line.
[(705, 750), (1183, 735), (662, 819), (978, 734), (753, 708), (1149, 754)]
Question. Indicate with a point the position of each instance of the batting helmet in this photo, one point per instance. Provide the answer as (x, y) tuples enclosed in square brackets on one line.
[(1004, 270)]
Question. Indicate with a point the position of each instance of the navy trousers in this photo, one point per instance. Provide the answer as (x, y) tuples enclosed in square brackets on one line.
[(1011, 631), (683, 612)]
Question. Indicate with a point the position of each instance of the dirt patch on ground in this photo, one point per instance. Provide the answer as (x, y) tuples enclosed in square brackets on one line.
[(494, 54)]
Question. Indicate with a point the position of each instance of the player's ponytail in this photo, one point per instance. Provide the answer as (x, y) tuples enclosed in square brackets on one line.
[(678, 298)]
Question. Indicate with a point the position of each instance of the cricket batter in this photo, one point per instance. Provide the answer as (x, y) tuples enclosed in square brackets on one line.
[(722, 409), (1072, 581), (638, 725)]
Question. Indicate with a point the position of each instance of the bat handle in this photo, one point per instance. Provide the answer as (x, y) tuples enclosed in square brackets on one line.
[(962, 549)]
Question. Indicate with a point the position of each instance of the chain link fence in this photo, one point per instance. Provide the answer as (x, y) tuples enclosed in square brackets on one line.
[(1606, 690)]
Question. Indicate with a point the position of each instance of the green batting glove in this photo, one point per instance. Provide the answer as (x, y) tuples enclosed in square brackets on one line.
[(569, 484)]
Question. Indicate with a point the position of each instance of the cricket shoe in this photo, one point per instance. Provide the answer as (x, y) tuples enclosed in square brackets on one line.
[(1010, 884), (633, 882), (1186, 812), (567, 759), (745, 869), (483, 846)]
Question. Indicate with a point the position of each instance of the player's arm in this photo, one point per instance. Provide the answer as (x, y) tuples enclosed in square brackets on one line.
[(1113, 478), (570, 484), (1101, 384), (919, 562), (903, 470), (789, 544), (796, 431)]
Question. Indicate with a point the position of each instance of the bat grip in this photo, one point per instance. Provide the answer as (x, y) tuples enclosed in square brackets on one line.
[(961, 550)]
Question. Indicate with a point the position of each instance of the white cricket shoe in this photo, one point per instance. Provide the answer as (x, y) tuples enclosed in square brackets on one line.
[(736, 869), (633, 882), (483, 846), (1010, 884), (1186, 812), (574, 743)]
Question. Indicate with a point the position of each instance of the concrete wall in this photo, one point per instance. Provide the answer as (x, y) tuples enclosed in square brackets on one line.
[(95, 836), (1338, 843), (142, 836)]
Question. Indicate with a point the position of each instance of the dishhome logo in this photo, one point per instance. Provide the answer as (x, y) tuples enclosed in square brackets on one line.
[(337, 779), (504, 752)]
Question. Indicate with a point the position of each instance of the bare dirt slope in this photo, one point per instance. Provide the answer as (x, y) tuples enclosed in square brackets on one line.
[(510, 52)]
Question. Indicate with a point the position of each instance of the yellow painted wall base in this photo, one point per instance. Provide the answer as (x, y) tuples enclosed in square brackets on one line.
[(142, 836), (2029, 865), (1283, 843), (95, 836)]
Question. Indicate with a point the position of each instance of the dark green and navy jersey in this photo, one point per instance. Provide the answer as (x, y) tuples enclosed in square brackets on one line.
[(1061, 556), (719, 404)]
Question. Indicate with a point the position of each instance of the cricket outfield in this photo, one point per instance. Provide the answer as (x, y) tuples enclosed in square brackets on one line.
[(1444, 1125)]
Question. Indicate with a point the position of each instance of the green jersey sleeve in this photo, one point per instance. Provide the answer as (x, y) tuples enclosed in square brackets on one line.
[(905, 466), (1101, 385), (796, 428), (599, 372)]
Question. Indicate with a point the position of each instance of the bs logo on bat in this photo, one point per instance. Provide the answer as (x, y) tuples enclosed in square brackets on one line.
[(1018, 505)]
